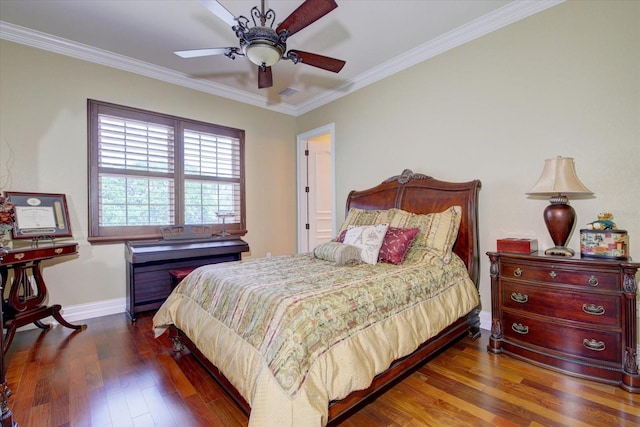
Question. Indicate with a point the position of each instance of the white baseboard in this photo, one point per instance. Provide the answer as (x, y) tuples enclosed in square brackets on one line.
[(485, 320), (77, 313)]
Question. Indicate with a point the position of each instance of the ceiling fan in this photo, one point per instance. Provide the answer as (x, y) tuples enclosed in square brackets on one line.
[(265, 46)]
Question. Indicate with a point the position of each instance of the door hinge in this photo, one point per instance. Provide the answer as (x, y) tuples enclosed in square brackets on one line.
[(306, 189), (306, 152), (307, 227)]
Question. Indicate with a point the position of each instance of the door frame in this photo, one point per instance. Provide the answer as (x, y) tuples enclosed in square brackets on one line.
[(301, 142)]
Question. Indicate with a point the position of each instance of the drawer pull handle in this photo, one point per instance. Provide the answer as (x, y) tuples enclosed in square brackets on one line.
[(519, 298), (521, 329), (593, 281), (553, 274), (593, 345), (517, 272), (596, 310)]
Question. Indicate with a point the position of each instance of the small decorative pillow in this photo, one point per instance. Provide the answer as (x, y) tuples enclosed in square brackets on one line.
[(338, 253), (340, 237), (369, 239), (396, 244)]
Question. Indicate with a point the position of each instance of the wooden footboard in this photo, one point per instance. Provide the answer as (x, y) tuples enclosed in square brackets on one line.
[(468, 325)]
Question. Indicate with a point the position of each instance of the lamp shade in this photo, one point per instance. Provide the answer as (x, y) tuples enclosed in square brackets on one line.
[(559, 177)]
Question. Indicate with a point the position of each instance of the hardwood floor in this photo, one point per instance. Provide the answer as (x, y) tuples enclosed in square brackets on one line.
[(117, 374)]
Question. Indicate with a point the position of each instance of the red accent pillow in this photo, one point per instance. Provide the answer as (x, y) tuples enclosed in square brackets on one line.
[(340, 238), (396, 244)]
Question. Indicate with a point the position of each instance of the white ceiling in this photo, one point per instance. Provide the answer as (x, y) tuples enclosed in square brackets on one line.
[(376, 38)]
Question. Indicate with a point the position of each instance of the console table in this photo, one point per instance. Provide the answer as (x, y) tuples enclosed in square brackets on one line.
[(25, 304), (149, 263)]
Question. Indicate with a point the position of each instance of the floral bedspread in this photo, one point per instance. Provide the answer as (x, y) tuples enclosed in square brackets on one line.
[(292, 309)]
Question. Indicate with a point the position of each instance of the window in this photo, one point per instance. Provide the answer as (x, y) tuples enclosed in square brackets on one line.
[(148, 170)]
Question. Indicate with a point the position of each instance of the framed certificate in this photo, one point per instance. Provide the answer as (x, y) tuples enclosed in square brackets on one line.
[(40, 215)]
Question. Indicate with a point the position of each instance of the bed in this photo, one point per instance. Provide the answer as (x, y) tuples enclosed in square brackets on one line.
[(367, 325)]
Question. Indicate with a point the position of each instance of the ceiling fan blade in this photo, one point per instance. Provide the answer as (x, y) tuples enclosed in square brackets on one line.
[(194, 53), (265, 78), (306, 14), (220, 11), (315, 60)]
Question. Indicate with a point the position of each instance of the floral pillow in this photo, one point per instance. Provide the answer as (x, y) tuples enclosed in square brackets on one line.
[(338, 253), (368, 238), (396, 244)]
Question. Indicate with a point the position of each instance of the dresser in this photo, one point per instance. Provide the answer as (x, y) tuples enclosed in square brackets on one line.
[(149, 263), (574, 315)]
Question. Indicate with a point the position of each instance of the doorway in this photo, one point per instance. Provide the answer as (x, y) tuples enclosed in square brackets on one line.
[(316, 187)]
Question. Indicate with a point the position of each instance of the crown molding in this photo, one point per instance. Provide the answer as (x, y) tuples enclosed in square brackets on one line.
[(477, 28), (88, 53), (500, 18)]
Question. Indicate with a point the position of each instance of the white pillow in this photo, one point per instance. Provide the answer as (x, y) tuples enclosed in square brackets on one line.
[(368, 238)]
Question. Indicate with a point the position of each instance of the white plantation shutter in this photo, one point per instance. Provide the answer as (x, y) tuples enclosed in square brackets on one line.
[(212, 177), (136, 173), (149, 170)]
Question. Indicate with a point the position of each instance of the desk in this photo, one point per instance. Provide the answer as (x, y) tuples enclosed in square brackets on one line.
[(25, 303), (149, 263)]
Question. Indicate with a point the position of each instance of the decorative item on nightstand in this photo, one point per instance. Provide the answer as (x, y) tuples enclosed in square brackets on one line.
[(515, 245), (559, 180), (602, 239)]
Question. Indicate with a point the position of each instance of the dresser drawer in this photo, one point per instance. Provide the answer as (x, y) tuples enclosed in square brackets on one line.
[(590, 308), (598, 345), (558, 275)]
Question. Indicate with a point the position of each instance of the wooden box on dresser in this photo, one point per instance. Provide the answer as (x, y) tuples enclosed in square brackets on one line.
[(575, 315)]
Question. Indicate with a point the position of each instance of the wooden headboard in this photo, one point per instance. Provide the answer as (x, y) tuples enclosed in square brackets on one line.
[(422, 194)]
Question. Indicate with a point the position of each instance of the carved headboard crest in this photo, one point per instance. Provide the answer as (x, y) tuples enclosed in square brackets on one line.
[(406, 176)]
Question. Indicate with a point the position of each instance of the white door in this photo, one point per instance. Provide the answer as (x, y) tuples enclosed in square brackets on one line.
[(315, 189)]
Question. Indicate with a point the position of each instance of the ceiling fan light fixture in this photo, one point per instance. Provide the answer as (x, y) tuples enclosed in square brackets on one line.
[(263, 45), (263, 53)]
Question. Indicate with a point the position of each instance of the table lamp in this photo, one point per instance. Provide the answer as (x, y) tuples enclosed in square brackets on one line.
[(559, 180)]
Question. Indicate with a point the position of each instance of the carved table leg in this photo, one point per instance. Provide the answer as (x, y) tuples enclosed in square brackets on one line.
[(25, 303), (7, 415)]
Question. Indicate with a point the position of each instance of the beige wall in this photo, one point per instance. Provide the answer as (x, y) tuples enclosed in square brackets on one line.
[(43, 135), (564, 82)]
